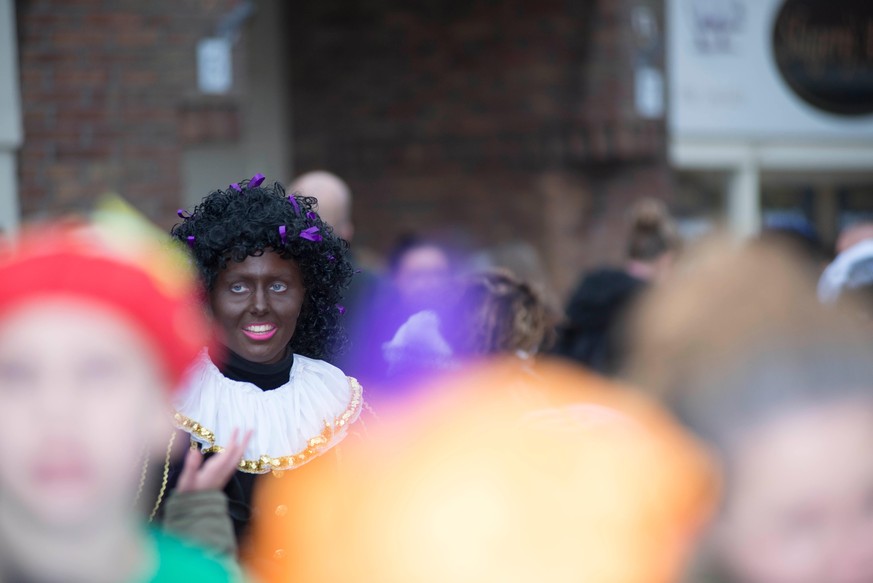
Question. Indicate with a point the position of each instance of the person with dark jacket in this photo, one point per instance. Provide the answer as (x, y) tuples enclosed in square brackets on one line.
[(594, 332)]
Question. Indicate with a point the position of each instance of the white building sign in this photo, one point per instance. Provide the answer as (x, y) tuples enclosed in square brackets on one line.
[(751, 70)]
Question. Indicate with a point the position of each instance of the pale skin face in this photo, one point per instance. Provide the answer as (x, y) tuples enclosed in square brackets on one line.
[(81, 401), (422, 277), (334, 200), (854, 235), (800, 505)]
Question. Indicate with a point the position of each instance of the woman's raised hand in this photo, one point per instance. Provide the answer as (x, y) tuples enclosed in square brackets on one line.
[(214, 473)]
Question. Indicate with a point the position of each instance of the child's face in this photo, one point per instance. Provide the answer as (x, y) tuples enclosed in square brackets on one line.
[(81, 401), (800, 501)]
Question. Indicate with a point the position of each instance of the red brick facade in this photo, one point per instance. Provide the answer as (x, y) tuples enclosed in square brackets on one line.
[(511, 119), (106, 89), (505, 119)]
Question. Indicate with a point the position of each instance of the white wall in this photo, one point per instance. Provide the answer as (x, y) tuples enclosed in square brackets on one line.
[(724, 80), (10, 118), (731, 111)]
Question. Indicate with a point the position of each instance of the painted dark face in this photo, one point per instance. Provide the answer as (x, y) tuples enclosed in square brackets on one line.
[(256, 303)]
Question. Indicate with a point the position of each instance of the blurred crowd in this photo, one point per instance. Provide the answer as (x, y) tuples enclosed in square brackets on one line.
[(251, 397)]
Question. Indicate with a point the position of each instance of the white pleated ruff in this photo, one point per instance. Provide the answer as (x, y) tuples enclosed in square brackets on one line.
[(318, 401)]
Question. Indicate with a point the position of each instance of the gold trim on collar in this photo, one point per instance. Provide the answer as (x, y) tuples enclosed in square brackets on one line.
[(314, 447)]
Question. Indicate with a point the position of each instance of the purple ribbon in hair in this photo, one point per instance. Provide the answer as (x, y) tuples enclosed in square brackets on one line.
[(283, 234), (311, 216), (256, 180), (190, 240), (293, 200), (311, 234)]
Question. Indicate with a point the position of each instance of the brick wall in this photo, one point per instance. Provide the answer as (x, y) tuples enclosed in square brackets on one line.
[(109, 100), (502, 118), (491, 119)]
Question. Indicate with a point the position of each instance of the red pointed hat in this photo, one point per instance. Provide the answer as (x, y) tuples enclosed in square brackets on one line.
[(119, 266)]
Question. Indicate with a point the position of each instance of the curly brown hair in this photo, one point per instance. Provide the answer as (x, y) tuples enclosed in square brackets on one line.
[(499, 313)]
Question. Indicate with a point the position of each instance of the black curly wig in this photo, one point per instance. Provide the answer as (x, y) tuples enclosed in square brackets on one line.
[(248, 219)]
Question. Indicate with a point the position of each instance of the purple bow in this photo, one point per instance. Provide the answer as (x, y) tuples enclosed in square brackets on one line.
[(283, 233), (190, 240), (311, 216), (293, 200), (256, 180), (181, 213), (311, 234)]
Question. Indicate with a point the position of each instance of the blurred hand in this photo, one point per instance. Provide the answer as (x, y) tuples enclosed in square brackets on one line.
[(214, 474)]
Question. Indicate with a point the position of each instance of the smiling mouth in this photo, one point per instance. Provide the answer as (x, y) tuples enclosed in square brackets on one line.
[(260, 331)]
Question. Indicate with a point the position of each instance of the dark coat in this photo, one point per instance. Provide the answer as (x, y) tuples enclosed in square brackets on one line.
[(594, 333)]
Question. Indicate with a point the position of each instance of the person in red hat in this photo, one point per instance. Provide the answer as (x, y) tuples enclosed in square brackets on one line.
[(98, 323)]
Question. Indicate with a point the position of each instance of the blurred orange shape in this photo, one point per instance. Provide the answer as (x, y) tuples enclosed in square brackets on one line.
[(496, 475)]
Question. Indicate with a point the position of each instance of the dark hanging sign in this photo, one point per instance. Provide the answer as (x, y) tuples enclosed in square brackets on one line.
[(824, 51)]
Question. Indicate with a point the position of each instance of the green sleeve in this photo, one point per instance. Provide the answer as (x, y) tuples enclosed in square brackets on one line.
[(201, 517), (182, 562)]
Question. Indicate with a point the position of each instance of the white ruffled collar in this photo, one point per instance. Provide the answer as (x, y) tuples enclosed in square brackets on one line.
[(292, 424)]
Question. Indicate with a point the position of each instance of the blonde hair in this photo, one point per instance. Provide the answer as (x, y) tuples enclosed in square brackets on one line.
[(500, 313)]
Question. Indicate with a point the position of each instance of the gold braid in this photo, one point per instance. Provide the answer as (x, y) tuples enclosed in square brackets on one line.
[(163, 489), (142, 478), (370, 410)]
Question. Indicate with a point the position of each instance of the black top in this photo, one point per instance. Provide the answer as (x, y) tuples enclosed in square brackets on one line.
[(595, 333), (264, 376)]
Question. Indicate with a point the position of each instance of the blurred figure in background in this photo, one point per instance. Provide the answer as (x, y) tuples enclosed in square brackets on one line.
[(848, 281), (335, 208), (421, 272), (405, 328), (582, 482), (523, 260), (797, 235), (783, 391), (854, 234), (97, 326), (594, 332), (334, 200), (794, 425), (496, 315)]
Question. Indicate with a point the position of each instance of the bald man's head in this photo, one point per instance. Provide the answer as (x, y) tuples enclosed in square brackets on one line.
[(854, 234), (334, 199)]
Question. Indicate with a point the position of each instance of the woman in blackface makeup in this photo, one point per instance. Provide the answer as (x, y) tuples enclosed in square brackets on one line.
[(273, 274)]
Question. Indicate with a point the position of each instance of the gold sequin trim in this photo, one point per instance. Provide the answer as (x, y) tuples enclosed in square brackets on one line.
[(265, 464)]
